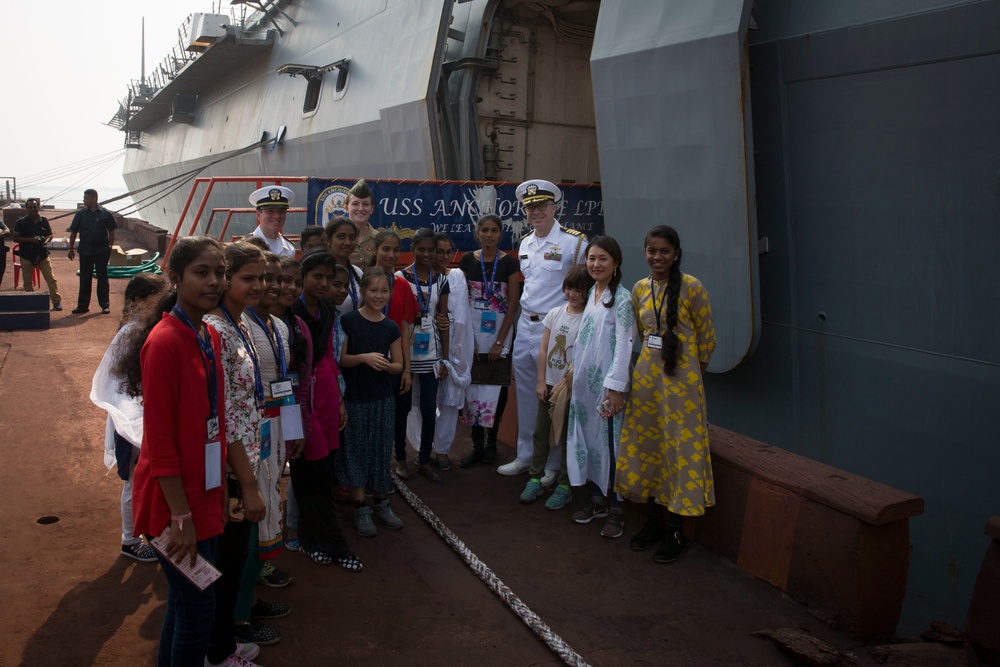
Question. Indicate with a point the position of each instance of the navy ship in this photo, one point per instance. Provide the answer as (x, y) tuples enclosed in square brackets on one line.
[(833, 169)]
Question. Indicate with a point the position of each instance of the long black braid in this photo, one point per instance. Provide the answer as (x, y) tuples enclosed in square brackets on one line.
[(671, 344), (610, 246)]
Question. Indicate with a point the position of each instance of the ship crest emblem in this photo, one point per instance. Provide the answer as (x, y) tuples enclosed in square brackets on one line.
[(531, 190), (274, 194)]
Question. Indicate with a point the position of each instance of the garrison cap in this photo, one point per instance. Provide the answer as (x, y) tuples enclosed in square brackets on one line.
[(537, 190), (272, 196), (361, 190)]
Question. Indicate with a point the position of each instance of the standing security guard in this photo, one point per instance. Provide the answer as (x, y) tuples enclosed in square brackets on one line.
[(546, 254)]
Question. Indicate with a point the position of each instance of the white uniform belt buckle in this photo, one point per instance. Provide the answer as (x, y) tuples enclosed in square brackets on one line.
[(534, 318)]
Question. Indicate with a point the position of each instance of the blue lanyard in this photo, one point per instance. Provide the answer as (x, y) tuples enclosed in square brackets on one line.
[(392, 288), (258, 388), (207, 359), (353, 288), (424, 307), (276, 347), (488, 286)]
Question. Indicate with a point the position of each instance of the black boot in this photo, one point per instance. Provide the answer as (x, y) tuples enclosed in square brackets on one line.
[(651, 533), (490, 450), (476, 454)]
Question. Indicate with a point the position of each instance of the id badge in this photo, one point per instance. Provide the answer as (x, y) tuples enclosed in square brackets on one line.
[(654, 342), (281, 388), (265, 439), (212, 426), (421, 343), (291, 422), (481, 304), (213, 464), (294, 377), (488, 324)]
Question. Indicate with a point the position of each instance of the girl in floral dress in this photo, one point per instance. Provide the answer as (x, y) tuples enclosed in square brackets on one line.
[(664, 457), (243, 403)]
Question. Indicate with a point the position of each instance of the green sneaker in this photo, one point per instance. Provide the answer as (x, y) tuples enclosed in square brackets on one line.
[(559, 498), (532, 492)]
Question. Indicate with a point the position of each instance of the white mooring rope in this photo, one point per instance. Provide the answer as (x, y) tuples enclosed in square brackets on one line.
[(530, 618)]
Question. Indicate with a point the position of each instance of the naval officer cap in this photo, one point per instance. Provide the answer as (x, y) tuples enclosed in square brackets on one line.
[(272, 196), (537, 190)]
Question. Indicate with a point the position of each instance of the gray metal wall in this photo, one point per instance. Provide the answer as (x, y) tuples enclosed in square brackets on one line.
[(878, 187)]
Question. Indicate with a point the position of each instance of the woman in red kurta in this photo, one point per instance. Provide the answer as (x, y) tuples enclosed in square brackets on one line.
[(173, 361)]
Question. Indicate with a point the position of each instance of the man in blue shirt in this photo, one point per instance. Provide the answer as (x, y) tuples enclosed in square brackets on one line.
[(96, 227)]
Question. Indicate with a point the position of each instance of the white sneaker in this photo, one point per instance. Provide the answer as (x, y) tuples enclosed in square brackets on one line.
[(248, 650), (235, 660), (515, 467), (549, 477)]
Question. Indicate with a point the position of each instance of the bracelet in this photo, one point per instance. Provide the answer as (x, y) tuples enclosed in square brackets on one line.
[(496, 342), (180, 519)]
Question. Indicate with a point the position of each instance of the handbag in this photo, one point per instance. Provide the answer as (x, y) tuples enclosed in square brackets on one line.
[(497, 372)]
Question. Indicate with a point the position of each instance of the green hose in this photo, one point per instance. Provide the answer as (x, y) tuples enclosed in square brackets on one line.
[(148, 266)]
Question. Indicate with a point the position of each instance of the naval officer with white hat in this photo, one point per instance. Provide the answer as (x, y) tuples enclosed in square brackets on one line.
[(272, 204), (546, 254)]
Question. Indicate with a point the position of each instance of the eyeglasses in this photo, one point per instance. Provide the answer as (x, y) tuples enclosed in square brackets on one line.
[(443, 253), (530, 208)]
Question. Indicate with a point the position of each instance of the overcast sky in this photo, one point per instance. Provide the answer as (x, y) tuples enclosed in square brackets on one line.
[(66, 63)]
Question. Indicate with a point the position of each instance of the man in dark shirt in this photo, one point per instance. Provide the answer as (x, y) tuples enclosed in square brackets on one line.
[(96, 227), (31, 232)]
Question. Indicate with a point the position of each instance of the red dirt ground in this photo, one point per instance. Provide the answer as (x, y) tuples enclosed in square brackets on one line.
[(70, 599)]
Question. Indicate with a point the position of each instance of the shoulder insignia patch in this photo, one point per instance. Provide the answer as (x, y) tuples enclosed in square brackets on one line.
[(574, 232)]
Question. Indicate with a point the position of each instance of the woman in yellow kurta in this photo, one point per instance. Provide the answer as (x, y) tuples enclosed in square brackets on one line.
[(663, 455)]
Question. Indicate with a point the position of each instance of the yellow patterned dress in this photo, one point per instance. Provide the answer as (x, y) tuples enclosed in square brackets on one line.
[(663, 452)]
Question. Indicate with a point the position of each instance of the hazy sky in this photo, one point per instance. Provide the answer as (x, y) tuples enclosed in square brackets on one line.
[(66, 64)]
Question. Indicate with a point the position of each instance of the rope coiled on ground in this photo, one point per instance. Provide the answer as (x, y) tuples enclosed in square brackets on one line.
[(530, 618)]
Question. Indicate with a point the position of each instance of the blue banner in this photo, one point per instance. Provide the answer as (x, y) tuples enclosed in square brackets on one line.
[(453, 207)]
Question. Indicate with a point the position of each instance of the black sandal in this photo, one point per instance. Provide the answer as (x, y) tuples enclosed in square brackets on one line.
[(351, 563)]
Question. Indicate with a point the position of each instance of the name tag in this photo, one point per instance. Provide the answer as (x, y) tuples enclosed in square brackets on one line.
[(654, 342), (213, 464), (488, 323), (481, 304), (281, 388), (212, 426), (291, 422), (421, 343), (294, 377)]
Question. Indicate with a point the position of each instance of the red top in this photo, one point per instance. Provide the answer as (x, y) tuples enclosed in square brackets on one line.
[(403, 305), (175, 413)]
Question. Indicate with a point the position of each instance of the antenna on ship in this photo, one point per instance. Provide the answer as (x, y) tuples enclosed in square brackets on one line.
[(142, 57)]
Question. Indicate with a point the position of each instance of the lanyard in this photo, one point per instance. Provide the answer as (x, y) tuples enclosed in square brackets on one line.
[(336, 338), (424, 307), (276, 347), (488, 286), (258, 383), (657, 309), (352, 286), (207, 359)]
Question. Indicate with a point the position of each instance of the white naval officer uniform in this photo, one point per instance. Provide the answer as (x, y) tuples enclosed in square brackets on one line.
[(281, 246), (273, 196), (544, 264)]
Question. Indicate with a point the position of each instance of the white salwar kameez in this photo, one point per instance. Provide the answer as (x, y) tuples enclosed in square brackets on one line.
[(601, 361)]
